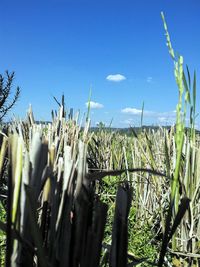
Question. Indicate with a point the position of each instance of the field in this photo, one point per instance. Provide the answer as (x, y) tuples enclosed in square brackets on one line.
[(61, 168), (74, 197)]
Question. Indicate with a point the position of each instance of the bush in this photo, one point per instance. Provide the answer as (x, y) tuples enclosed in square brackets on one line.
[(5, 91)]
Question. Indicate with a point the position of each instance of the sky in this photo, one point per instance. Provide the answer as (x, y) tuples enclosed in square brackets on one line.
[(117, 49)]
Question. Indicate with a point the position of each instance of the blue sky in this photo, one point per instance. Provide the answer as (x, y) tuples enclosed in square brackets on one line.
[(63, 46)]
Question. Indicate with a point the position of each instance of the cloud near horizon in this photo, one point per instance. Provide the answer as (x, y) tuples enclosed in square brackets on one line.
[(94, 105), (160, 115), (115, 77), (133, 111)]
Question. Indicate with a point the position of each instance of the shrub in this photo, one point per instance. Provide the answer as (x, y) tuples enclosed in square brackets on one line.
[(5, 91)]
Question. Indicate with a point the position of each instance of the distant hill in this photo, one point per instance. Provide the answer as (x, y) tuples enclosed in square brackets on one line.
[(135, 130), (129, 130)]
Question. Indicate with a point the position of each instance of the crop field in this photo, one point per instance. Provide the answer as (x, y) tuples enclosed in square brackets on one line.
[(72, 197)]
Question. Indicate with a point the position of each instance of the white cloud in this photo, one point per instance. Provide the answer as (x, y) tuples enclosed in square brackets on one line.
[(128, 121), (94, 105), (167, 120), (161, 116), (162, 119), (149, 79), (133, 111), (115, 77), (130, 114)]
